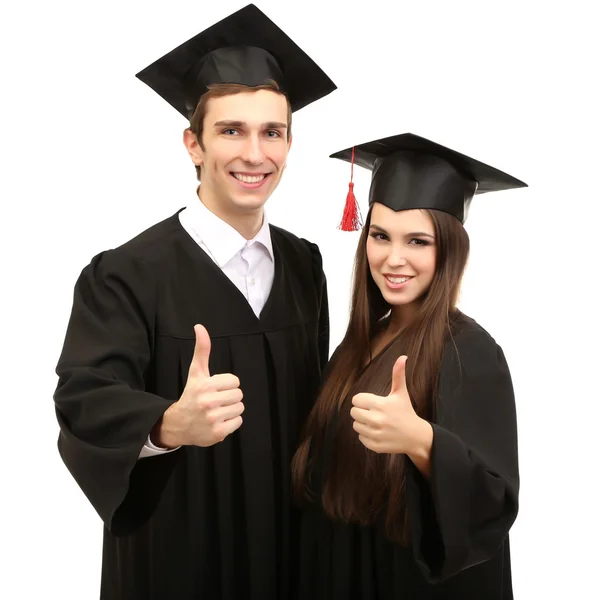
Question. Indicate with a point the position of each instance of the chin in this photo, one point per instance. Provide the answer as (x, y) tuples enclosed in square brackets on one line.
[(250, 202), (395, 301)]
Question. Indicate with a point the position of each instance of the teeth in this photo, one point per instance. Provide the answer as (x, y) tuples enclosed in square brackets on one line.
[(249, 178), (398, 279)]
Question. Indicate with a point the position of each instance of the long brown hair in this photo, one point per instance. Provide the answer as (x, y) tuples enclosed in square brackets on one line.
[(218, 90), (358, 485)]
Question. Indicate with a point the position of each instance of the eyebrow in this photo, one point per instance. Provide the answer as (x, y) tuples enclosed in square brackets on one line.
[(269, 125), (411, 234)]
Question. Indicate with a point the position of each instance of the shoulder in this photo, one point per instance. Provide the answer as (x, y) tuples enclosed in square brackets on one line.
[(137, 258), (467, 333), (288, 242), (471, 350), (299, 251), (475, 384), (150, 244)]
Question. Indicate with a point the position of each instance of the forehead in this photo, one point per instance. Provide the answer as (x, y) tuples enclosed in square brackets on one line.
[(251, 107), (402, 220)]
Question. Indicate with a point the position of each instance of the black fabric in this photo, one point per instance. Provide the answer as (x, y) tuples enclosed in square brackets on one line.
[(411, 172), (246, 48), (459, 519), (211, 523)]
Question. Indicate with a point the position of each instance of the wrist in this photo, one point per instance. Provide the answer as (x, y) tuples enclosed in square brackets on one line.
[(165, 434), (422, 441)]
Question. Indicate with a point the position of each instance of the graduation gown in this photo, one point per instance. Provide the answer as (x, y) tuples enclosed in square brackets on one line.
[(459, 520), (198, 523)]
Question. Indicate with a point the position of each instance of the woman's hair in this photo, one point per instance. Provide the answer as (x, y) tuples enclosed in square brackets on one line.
[(218, 90), (359, 485)]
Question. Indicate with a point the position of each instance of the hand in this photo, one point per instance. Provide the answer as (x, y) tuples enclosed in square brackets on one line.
[(388, 424), (210, 407)]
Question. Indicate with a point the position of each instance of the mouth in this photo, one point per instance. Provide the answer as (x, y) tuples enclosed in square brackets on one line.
[(396, 282), (250, 180)]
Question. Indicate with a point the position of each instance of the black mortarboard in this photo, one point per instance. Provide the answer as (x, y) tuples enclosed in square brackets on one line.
[(412, 172), (245, 47)]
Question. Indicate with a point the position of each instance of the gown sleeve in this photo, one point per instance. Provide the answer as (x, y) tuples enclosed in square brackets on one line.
[(462, 515), (324, 336), (103, 410), (321, 285)]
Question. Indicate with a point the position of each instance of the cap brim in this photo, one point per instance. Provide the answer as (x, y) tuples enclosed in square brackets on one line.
[(489, 179), (305, 81)]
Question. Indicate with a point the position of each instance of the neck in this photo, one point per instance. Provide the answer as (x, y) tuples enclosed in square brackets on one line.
[(401, 317), (247, 224)]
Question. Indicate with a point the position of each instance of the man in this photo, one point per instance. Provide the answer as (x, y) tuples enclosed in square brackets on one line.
[(194, 351)]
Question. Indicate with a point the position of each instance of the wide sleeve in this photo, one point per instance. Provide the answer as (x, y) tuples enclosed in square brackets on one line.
[(462, 515), (103, 410), (321, 283)]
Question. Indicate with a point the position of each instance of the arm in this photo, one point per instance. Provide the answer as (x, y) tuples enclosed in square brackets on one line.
[(151, 449), (420, 454), (462, 515), (324, 323), (105, 414), (323, 304)]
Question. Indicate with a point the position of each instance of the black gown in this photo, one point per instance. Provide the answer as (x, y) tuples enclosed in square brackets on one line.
[(459, 520), (213, 523)]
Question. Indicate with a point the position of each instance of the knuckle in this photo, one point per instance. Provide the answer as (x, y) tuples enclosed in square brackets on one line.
[(229, 382), (202, 383), (206, 403), (219, 433), (215, 402)]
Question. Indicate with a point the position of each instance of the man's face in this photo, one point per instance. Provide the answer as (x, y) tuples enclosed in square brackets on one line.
[(244, 151)]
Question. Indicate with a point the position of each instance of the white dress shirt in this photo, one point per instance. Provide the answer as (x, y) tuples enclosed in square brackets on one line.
[(249, 264)]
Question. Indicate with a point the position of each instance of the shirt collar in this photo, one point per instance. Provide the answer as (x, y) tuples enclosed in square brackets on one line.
[(220, 238)]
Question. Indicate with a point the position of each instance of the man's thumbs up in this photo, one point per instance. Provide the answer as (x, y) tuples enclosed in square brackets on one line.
[(210, 407), (199, 365)]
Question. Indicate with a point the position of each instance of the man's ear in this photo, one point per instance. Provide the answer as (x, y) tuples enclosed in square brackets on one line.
[(190, 141)]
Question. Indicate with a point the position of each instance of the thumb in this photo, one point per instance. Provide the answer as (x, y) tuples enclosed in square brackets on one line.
[(399, 376), (199, 365)]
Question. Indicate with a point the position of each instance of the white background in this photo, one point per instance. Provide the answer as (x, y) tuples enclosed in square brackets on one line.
[(91, 156)]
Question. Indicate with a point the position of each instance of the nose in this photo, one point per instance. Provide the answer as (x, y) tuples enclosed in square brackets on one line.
[(252, 152), (397, 256)]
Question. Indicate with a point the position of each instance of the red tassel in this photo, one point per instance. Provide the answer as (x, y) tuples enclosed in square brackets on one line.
[(351, 219)]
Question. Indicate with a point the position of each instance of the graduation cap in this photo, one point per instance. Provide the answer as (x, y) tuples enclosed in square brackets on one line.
[(246, 48), (409, 172)]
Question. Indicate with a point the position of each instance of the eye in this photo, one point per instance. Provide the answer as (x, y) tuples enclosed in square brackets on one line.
[(419, 242), (273, 133), (230, 131), (380, 237)]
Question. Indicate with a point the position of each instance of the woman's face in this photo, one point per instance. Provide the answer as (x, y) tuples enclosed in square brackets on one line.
[(401, 250)]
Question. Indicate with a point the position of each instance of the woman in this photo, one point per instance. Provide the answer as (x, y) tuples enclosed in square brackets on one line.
[(408, 470)]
